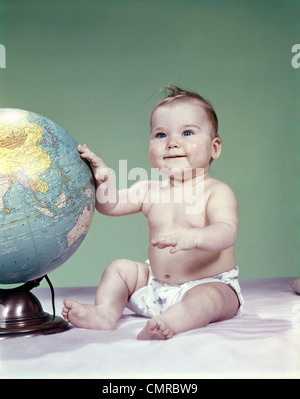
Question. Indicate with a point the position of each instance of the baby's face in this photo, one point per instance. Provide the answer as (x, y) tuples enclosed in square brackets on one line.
[(181, 137)]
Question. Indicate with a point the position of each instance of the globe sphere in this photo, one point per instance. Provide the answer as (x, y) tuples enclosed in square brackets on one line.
[(47, 196)]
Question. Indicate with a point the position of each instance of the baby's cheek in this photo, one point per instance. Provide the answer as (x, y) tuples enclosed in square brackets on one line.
[(155, 157)]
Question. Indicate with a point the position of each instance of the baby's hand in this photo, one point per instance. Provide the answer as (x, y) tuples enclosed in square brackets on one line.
[(179, 241), (100, 169)]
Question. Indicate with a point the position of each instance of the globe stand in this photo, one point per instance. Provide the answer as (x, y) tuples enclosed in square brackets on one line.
[(21, 312)]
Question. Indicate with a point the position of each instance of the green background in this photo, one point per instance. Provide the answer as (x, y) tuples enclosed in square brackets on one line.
[(95, 66)]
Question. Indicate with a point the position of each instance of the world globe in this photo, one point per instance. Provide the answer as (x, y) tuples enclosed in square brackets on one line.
[(47, 196)]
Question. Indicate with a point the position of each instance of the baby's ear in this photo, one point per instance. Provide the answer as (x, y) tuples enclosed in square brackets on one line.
[(216, 147)]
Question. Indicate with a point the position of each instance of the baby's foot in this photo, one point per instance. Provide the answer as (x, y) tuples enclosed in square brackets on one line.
[(88, 316), (155, 329)]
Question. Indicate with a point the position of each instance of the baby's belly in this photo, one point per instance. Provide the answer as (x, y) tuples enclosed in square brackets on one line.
[(190, 265)]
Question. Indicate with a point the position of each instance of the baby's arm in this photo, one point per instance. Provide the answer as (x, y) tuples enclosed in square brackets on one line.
[(109, 200), (221, 233)]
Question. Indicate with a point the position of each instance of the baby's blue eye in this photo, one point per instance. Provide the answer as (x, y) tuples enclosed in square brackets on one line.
[(188, 133), (161, 135)]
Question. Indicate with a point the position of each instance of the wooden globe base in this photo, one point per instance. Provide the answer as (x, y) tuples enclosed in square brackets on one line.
[(21, 313)]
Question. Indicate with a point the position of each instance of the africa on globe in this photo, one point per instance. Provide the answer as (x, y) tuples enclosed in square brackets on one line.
[(47, 196)]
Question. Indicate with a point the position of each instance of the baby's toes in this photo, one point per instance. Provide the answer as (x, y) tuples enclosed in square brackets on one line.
[(65, 313), (165, 330)]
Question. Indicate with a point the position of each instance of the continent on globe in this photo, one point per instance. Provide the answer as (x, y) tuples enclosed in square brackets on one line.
[(19, 142), (47, 196), (83, 223)]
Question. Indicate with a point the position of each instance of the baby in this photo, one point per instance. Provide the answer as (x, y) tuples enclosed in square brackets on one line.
[(190, 279)]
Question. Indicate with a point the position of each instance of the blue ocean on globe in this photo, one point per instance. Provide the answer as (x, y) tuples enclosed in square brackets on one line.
[(47, 196)]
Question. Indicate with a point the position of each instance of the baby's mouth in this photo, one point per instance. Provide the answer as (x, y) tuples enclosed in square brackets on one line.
[(174, 156)]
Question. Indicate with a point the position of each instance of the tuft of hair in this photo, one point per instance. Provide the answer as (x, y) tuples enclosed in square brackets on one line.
[(175, 93)]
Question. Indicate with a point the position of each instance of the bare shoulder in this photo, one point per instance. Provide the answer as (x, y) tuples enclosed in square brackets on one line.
[(218, 188), (222, 198)]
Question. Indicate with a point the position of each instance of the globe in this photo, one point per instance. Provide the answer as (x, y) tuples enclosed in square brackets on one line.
[(47, 196)]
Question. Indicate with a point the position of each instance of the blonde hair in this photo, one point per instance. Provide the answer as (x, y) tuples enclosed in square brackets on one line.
[(177, 94)]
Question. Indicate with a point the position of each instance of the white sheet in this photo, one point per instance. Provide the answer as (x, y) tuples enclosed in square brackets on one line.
[(263, 343)]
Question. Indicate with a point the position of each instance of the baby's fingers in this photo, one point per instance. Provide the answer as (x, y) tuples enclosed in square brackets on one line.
[(82, 148), (85, 152), (178, 247), (164, 242)]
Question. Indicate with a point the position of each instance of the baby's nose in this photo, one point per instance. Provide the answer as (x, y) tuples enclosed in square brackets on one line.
[(173, 143)]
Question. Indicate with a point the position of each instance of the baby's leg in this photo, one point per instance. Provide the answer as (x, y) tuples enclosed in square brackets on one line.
[(119, 280), (203, 304)]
